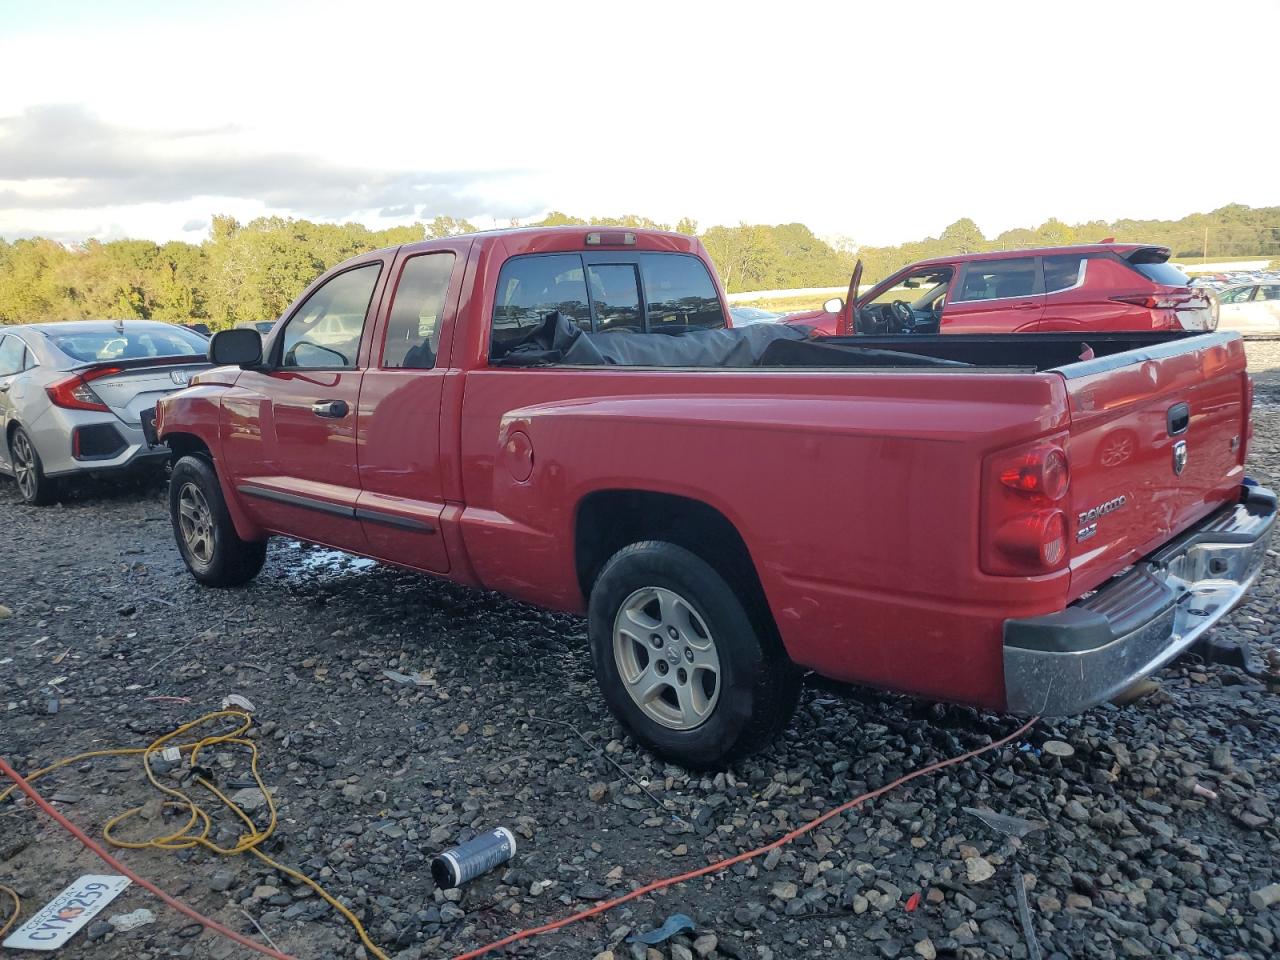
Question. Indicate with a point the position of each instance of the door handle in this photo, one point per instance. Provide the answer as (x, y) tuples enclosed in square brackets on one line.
[(4, 388), (1026, 306), (333, 409)]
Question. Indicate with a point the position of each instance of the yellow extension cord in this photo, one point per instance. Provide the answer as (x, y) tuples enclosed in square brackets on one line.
[(197, 817)]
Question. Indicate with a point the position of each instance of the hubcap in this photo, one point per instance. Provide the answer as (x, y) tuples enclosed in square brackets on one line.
[(195, 522), (667, 658), (24, 465)]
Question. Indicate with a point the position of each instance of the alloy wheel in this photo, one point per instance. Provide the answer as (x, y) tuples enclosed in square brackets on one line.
[(24, 465), (195, 521), (667, 658)]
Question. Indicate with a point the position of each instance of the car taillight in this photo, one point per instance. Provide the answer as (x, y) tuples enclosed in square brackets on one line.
[(1024, 525), (1149, 300), (75, 393)]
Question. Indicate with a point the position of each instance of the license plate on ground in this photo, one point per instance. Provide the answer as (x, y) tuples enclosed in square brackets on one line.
[(149, 427), (59, 920)]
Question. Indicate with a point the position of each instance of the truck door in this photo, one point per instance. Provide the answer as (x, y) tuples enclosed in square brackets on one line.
[(399, 430), (289, 429), (996, 296)]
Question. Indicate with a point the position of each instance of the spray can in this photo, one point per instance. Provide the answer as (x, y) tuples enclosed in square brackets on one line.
[(465, 862)]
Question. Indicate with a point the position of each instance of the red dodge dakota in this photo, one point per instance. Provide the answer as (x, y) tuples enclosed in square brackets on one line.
[(1027, 523)]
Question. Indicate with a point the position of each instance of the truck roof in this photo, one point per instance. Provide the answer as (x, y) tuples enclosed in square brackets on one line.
[(565, 238)]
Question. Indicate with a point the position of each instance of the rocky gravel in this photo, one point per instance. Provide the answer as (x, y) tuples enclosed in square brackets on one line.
[(1149, 829)]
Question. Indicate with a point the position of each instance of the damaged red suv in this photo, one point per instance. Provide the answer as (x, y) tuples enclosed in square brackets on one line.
[(1101, 286)]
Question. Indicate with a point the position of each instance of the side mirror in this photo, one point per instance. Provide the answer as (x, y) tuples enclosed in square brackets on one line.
[(240, 347), (834, 305)]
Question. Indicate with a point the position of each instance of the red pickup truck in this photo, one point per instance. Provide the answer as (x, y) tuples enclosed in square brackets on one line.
[(1026, 523)]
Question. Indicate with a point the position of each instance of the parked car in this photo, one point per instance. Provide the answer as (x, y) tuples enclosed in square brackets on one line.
[(1104, 286), (76, 397), (262, 326), (745, 316), (987, 519), (1252, 308)]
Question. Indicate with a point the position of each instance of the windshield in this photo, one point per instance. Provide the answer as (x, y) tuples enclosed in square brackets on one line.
[(92, 345), (919, 289)]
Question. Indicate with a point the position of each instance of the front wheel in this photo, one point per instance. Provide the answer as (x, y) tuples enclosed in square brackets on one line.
[(207, 539), (679, 660)]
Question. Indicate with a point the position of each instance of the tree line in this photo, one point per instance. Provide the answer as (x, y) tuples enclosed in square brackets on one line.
[(253, 271)]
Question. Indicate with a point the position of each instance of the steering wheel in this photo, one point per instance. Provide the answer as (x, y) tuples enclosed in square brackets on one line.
[(903, 314)]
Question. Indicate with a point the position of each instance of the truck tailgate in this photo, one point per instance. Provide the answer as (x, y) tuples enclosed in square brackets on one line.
[(1157, 442)]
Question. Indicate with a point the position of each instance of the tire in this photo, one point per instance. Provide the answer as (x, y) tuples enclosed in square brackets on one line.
[(727, 687), (28, 470), (202, 527)]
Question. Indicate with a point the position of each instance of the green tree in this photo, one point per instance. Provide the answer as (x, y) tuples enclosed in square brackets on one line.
[(963, 236)]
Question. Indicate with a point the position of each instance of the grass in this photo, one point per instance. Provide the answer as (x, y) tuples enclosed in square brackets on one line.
[(786, 304)]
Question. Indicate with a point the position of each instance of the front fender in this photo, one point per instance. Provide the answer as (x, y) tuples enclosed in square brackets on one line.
[(195, 413)]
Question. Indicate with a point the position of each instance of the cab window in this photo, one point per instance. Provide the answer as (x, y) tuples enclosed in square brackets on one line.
[(413, 328), (615, 294), (325, 331), (680, 294), (530, 289)]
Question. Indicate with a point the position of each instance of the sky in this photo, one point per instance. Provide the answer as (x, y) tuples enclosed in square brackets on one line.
[(875, 122)]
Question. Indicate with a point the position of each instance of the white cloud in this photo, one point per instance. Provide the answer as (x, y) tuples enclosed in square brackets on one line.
[(881, 122)]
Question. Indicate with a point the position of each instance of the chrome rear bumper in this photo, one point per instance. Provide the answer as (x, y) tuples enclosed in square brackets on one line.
[(1066, 662)]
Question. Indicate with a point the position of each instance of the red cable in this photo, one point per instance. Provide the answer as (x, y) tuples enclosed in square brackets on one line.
[(120, 867), (742, 857)]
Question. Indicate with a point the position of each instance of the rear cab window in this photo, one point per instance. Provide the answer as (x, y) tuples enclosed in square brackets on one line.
[(602, 292), (413, 328)]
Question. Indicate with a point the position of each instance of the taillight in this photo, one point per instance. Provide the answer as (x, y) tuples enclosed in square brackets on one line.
[(1042, 470), (1247, 432), (75, 393), (1037, 540), (1150, 301), (1024, 526)]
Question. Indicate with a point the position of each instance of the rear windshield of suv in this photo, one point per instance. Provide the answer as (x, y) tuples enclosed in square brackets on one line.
[(92, 346), (1165, 273)]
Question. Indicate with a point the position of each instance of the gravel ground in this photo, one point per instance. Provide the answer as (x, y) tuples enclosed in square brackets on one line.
[(1159, 817)]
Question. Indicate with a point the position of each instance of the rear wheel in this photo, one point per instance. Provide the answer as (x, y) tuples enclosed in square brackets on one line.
[(28, 471), (207, 539), (679, 660)]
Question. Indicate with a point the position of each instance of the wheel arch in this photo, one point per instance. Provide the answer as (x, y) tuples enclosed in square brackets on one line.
[(608, 520), (187, 444)]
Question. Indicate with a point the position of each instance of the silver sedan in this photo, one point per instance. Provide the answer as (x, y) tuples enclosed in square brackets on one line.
[(79, 397)]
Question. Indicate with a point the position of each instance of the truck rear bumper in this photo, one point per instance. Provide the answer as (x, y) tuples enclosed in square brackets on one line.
[(1066, 662)]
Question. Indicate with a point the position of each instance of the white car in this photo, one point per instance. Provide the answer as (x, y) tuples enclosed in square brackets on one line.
[(1250, 308)]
